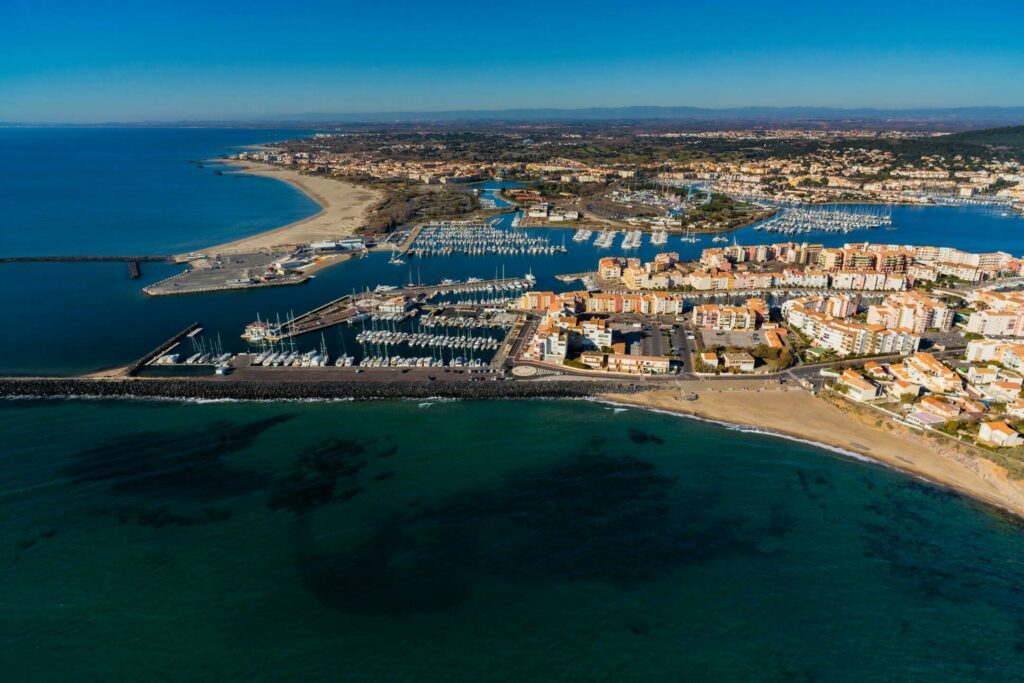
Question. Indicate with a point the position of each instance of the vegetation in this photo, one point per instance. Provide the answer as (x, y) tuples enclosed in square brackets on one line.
[(724, 211), (638, 145), (409, 203), (776, 358), (1004, 144)]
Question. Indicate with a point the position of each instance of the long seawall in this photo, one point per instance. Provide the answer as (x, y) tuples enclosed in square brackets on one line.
[(214, 389)]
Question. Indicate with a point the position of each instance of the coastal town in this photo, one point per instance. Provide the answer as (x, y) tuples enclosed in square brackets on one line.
[(779, 166), (689, 279), (541, 342), (931, 337)]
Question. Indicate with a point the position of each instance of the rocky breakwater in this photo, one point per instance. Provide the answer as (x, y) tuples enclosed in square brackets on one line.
[(284, 390)]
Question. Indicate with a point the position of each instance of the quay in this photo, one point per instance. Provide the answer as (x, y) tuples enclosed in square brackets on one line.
[(572, 277), (225, 273), (403, 249)]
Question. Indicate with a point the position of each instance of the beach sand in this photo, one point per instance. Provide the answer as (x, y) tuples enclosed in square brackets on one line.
[(798, 414), (343, 208)]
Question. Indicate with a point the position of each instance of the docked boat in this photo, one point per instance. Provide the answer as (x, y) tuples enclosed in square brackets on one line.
[(261, 332)]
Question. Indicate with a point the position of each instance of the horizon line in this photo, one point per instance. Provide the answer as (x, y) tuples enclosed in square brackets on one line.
[(597, 112)]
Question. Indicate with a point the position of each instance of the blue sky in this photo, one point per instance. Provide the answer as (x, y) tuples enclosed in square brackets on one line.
[(88, 61)]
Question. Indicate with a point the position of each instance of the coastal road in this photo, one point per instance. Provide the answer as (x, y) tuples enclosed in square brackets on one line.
[(686, 347)]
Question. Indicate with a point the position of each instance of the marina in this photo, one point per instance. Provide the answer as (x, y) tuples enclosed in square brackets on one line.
[(349, 306), (672, 343), (632, 239), (803, 220), (444, 238), (605, 239), (453, 340)]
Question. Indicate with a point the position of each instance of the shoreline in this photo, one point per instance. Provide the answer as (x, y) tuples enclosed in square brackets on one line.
[(757, 407), (767, 411), (343, 207)]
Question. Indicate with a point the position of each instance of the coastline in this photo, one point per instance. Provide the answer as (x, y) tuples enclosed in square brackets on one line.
[(343, 207), (795, 414)]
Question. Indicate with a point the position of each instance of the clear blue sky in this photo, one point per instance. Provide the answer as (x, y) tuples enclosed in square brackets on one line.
[(95, 60)]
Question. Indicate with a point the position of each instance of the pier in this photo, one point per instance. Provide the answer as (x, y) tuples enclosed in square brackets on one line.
[(85, 259), (403, 248), (134, 269), (134, 368)]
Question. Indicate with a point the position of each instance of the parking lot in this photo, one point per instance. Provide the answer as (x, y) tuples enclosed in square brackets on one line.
[(215, 273), (735, 339)]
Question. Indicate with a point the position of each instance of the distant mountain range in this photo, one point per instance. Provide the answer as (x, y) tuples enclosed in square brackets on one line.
[(955, 117), (958, 118)]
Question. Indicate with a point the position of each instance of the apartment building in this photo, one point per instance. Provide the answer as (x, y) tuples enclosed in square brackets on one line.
[(996, 323), (1009, 355), (912, 310), (845, 337), (723, 317), (637, 365)]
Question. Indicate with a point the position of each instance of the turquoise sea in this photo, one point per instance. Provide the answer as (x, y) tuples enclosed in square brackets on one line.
[(460, 541), (546, 540), (87, 191)]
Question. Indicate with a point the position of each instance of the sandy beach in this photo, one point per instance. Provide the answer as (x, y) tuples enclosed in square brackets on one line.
[(343, 207), (798, 414)]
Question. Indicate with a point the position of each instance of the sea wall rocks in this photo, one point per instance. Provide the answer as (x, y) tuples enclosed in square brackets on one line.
[(270, 390)]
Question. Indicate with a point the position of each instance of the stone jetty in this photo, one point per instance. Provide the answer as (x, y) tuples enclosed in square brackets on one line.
[(213, 389)]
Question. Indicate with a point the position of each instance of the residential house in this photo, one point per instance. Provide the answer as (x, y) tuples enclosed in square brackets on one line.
[(738, 360), (999, 434), (857, 388)]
